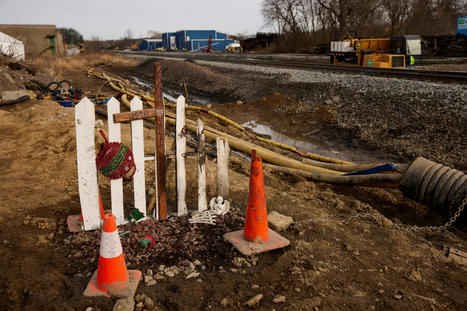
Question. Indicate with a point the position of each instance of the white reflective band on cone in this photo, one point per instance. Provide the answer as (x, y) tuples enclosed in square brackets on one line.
[(110, 245)]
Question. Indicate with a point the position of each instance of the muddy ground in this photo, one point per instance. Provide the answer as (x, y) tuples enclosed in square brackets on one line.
[(345, 252)]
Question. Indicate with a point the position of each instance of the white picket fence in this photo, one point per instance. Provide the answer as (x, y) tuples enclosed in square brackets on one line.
[(87, 171)]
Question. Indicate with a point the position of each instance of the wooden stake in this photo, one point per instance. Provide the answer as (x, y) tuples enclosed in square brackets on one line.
[(160, 144), (202, 199), (223, 155), (180, 152)]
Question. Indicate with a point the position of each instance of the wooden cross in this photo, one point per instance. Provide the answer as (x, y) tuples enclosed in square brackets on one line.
[(160, 153)]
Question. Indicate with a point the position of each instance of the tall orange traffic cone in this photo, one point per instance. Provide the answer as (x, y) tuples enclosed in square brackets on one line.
[(256, 219), (256, 237), (112, 277)]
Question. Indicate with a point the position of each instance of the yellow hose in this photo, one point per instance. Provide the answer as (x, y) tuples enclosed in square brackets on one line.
[(150, 100), (246, 147)]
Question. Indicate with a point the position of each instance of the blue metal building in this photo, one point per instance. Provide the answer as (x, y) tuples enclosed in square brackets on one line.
[(150, 44), (462, 26), (195, 40)]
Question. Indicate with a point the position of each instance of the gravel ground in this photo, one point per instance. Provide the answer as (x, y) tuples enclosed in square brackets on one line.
[(453, 93)]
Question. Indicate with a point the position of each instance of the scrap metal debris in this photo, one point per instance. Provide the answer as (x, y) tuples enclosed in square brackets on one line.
[(205, 217)]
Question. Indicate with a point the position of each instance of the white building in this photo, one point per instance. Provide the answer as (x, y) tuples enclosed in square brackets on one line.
[(11, 47)]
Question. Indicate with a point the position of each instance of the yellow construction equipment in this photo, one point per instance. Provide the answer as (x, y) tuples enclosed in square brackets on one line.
[(393, 52), (81, 46)]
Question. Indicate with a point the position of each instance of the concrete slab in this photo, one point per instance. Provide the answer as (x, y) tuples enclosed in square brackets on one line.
[(12, 95)]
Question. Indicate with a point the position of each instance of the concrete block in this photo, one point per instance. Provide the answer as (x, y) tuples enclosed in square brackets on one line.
[(278, 221), (12, 95)]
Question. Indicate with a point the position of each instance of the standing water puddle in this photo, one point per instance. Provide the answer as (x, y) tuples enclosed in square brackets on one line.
[(309, 145)]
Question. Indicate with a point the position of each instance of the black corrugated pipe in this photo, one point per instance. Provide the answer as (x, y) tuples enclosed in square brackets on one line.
[(435, 185)]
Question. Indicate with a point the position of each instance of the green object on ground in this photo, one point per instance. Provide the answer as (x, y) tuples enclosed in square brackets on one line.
[(146, 242), (124, 233), (136, 215)]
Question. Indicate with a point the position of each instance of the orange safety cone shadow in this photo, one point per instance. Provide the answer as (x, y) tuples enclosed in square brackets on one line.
[(112, 278), (75, 222), (256, 237)]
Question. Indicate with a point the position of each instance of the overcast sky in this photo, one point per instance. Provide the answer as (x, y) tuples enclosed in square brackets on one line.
[(109, 19)]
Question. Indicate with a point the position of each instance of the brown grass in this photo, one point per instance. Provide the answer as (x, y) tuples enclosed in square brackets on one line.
[(66, 64)]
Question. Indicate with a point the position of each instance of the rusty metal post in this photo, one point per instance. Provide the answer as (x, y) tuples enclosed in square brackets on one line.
[(160, 143)]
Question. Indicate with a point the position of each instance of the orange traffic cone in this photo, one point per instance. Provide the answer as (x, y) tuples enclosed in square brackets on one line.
[(112, 277), (256, 219), (256, 237)]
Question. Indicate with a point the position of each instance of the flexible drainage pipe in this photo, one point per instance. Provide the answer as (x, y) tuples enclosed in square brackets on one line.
[(435, 185), (375, 180)]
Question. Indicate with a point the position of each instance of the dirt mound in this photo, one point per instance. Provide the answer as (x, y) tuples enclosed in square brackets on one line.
[(175, 242), (22, 75), (206, 80)]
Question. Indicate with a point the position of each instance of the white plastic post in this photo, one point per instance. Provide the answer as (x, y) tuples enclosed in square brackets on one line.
[(223, 154), (137, 142), (116, 185), (86, 162), (202, 199), (180, 153)]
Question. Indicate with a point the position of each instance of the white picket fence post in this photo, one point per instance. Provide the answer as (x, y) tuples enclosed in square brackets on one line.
[(116, 186), (202, 199), (223, 154), (180, 148), (86, 162), (137, 143), (86, 156)]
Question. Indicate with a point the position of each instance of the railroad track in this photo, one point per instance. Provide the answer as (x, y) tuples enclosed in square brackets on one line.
[(432, 75)]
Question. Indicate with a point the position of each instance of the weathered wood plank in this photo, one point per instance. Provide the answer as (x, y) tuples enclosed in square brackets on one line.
[(134, 115), (137, 142), (223, 155), (160, 144), (86, 162), (202, 199), (180, 153), (116, 186)]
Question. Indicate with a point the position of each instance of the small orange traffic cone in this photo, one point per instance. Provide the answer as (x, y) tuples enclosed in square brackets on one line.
[(112, 277), (256, 237)]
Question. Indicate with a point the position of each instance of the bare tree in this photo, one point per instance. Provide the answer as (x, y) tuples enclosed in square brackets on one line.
[(331, 19), (128, 34), (396, 13), (283, 14)]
